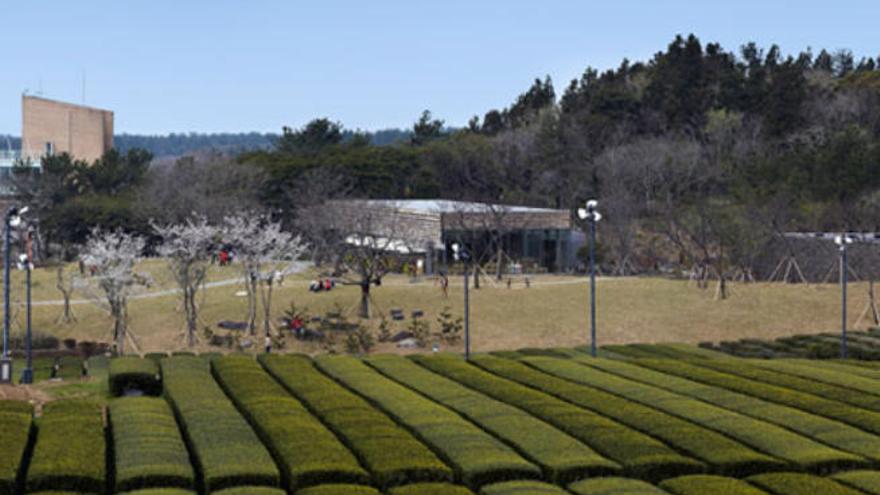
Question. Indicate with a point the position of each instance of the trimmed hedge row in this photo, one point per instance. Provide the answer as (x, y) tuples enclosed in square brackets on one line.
[(307, 452), (774, 440), (746, 369), (338, 489), (251, 490), (477, 457), (225, 450), (161, 491), (16, 419), (799, 484), (129, 372), (522, 488), (430, 489), (641, 455), (703, 484), (866, 481), (827, 431), (147, 446), (805, 369), (69, 453), (614, 486), (861, 418), (391, 454), (562, 457), (723, 454)]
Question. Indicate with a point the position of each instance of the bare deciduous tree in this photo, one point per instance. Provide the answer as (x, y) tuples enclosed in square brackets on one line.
[(112, 256), (187, 248), (66, 280)]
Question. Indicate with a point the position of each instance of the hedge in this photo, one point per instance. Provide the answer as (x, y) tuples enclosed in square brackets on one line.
[(614, 486), (430, 489), (815, 427), (477, 457), (148, 450), (69, 453), (392, 455), (805, 369), (802, 452), (338, 489), (562, 457), (306, 451), (133, 372), (858, 417), (747, 369), (521, 488), (866, 481), (250, 490), (723, 454), (15, 434), (799, 484), (225, 450), (641, 455), (703, 484), (161, 491)]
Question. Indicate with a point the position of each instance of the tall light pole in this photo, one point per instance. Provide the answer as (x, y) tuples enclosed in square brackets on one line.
[(27, 374), (11, 219), (592, 216), (462, 254), (843, 241)]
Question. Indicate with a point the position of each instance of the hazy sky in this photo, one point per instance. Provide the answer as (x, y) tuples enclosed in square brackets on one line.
[(179, 66)]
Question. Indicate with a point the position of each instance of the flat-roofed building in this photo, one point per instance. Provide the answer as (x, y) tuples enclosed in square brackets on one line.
[(54, 127)]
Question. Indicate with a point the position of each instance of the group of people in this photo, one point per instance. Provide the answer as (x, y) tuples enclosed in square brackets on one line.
[(319, 285)]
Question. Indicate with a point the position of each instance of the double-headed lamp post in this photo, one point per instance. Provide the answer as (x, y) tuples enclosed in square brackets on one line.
[(592, 216), (460, 253), (11, 220), (843, 241)]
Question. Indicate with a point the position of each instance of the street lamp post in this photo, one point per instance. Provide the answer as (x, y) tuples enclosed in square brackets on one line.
[(462, 254), (843, 241), (12, 219), (27, 374), (590, 214)]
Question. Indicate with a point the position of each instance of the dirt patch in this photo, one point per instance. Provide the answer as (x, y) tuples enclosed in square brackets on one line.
[(24, 392)]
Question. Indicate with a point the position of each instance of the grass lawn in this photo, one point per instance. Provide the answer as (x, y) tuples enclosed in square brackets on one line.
[(553, 312)]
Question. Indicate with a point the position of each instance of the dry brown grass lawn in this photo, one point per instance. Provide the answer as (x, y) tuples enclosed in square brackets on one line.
[(553, 312)]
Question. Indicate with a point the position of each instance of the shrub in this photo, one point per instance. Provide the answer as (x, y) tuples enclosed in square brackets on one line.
[(15, 431), (70, 368), (722, 453), (430, 489), (338, 489), (615, 486), (131, 372), (97, 366), (306, 451), (477, 457), (867, 481), (69, 453), (702, 484), (562, 457), (520, 487), (148, 449), (799, 484), (391, 454), (814, 371), (156, 356), (161, 491), (250, 490), (640, 455), (782, 443), (224, 448)]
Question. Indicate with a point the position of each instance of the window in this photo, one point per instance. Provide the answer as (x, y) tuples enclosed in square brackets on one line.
[(49, 148)]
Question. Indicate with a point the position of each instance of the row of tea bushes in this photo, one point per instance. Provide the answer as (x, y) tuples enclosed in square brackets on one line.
[(800, 484), (392, 455), (131, 372), (477, 457), (307, 452), (800, 451), (641, 455), (15, 431), (832, 376), (819, 428), (722, 454), (562, 457), (225, 450), (430, 489), (148, 450), (614, 486), (855, 416), (70, 450)]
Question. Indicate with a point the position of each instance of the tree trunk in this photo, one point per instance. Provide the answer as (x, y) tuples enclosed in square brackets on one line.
[(476, 276), (365, 300), (189, 303), (252, 304), (267, 307), (498, 261)]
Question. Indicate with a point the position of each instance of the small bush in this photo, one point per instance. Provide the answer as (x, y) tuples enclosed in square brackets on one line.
[(69, 453), (521, 487), (338, 489), (613, 486), (250, 490), (702, 484), (430, 489), (132, 372)]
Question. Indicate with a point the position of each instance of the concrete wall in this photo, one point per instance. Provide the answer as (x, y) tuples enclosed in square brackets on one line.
[(84, 132)]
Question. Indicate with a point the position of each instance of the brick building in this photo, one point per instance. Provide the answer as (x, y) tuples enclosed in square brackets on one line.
[(54, 127)]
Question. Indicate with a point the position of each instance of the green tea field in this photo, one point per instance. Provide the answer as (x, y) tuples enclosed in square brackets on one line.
[(646, 419)]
